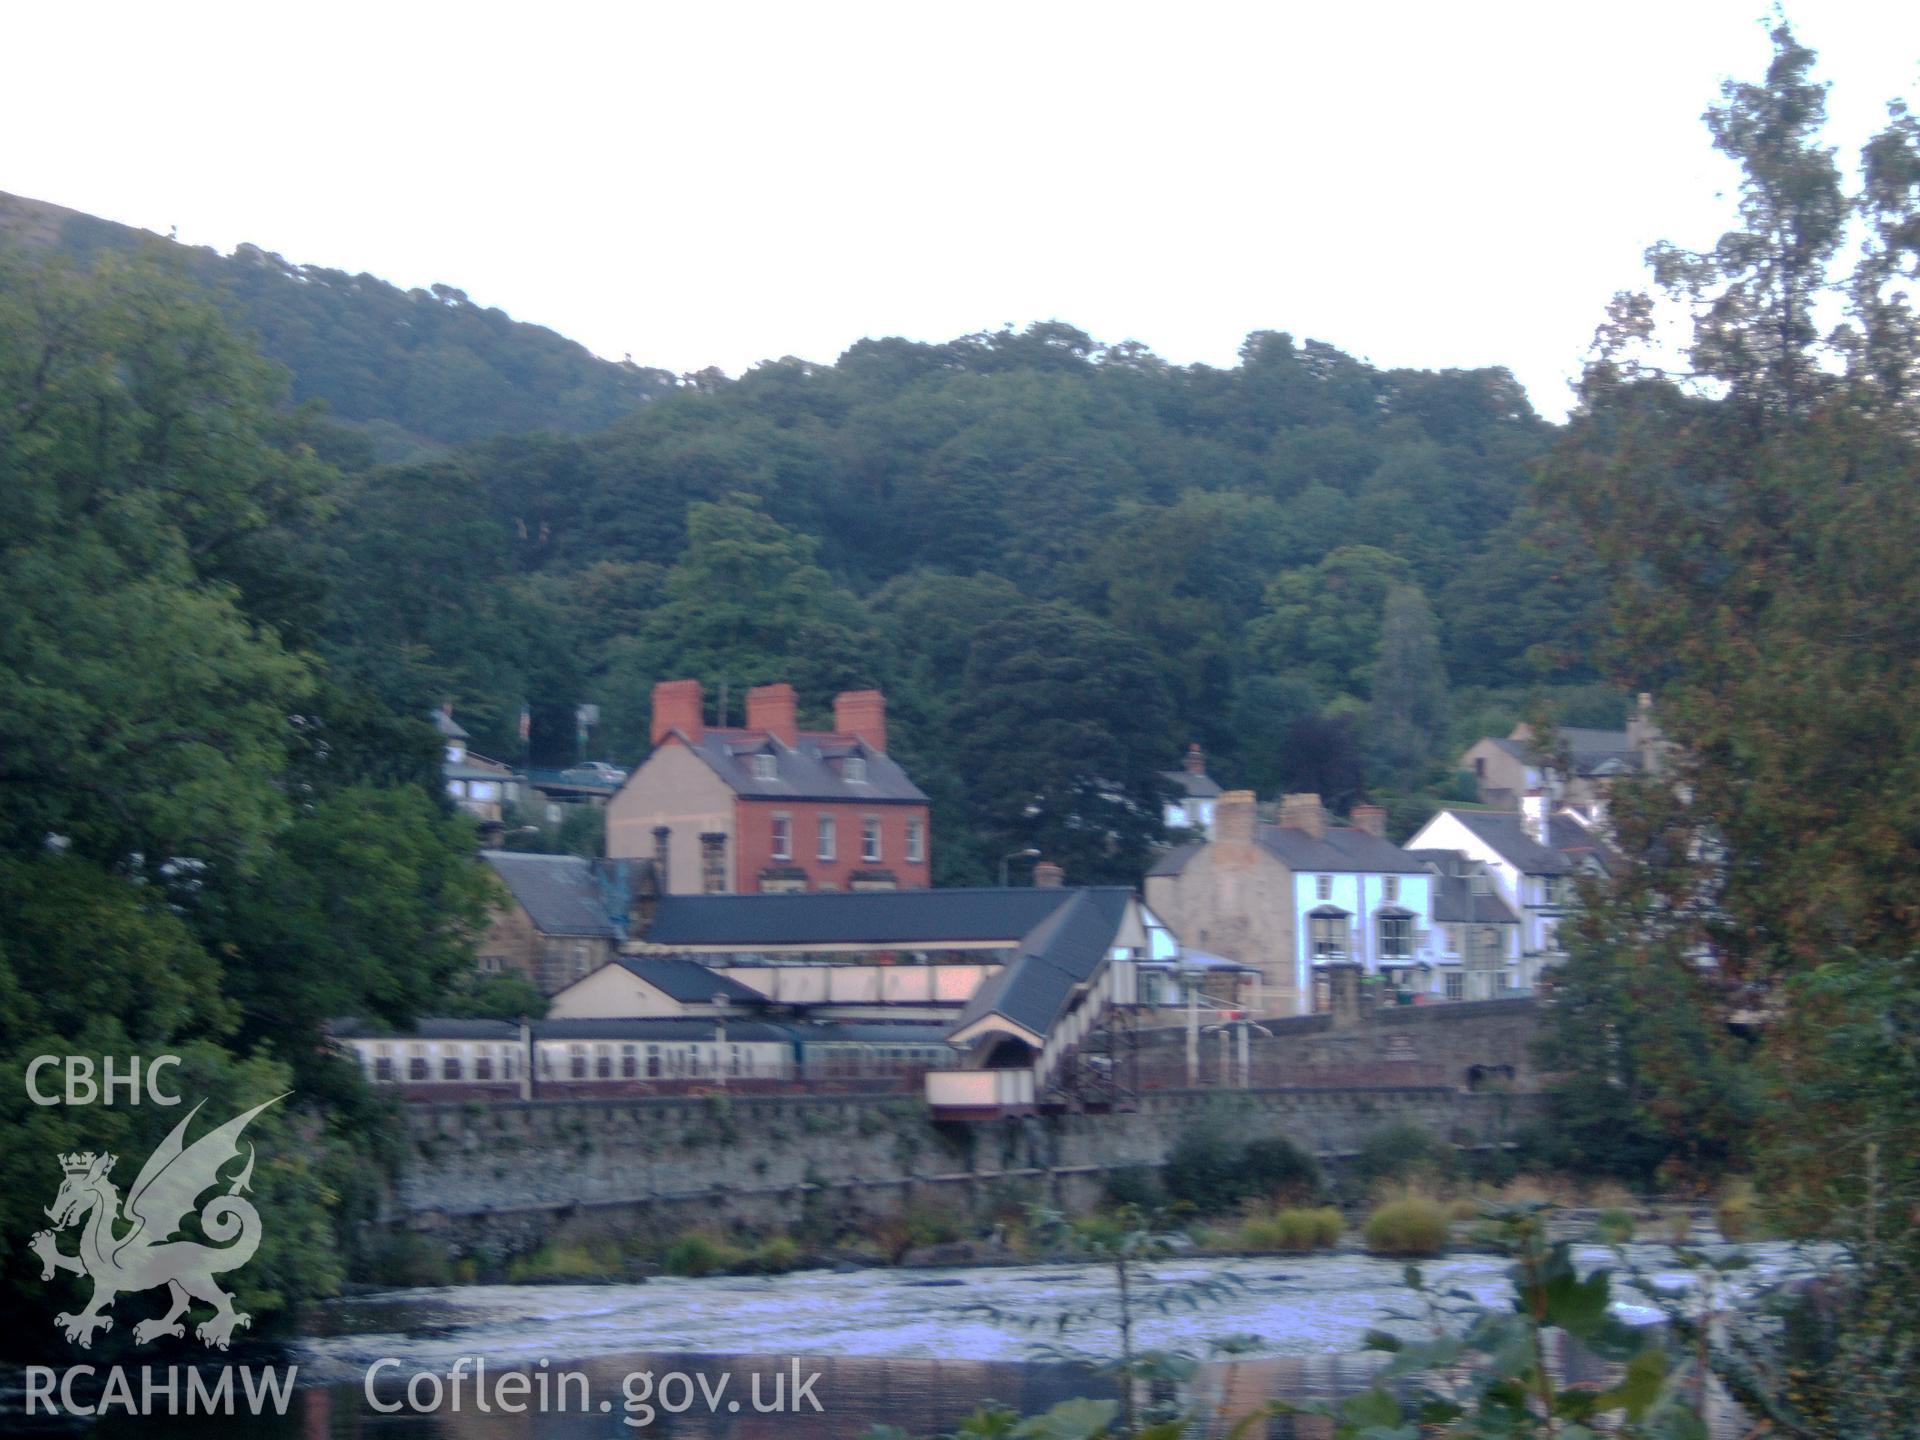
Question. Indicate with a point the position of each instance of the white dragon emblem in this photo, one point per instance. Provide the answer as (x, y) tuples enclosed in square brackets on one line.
[(147, 1256)]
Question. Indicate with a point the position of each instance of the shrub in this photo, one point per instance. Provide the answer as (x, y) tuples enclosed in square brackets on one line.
[(772, 1257), (1203, 1169), (558, 1260), (1412, 1225), (1401, 1152), (697, 1253), (1738, 1213), (1278, 1169), (1294, 1230), (1615, 1226), (1137, 1186)]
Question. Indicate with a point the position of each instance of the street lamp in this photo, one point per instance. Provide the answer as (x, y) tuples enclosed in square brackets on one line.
[(1027, 854), (720, 1042)]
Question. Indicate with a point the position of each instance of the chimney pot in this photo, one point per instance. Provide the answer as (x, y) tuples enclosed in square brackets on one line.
[(679, 705), (863, 714), (774, 709)]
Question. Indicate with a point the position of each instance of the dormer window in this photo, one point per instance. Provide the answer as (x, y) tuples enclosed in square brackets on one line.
[(765, 767), (1478, 884), (854, 770)]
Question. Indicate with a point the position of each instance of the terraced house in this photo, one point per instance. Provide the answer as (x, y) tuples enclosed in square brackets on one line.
[(770, 807)]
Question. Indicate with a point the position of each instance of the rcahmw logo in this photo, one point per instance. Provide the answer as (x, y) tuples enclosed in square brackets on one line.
[(132, 1245)]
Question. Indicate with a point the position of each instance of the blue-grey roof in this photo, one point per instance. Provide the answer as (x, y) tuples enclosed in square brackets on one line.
[(661, 1028), (907, 919), (1194, 787), (1503, 830), (1455, 901), (1064, 951), (428, 1028), (812, 768), (1340, 850), (569, 895), (688, 981)]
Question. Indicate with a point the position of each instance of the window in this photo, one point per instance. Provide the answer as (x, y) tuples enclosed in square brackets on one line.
[(870, 839), (417, 1063), (653, 1062), (916, 841), (1456, 985), (629, 1062), (1396, 939), (603, 1062), (1452, 935), (1329, 933), (1323, 887), (783, 837), (483, 1063), (508, 1065), (383, 1063), (765, 767), (854, 772), (450, 1068), (1477, 883), (1393, 887), (827, 847), (577, 1062)]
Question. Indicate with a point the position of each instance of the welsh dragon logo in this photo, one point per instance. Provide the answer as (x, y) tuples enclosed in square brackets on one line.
[(146, 1255)]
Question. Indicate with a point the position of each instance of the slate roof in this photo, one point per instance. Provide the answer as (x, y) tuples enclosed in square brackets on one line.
[(1194, 787), (1064, 951), (810, 769), (1455, 901), (425, 1029), (1581, 845), (688, 981), (660, 1028), (567, 894), (907, 919), (1341, 849), (447, 725), (1502, 829)]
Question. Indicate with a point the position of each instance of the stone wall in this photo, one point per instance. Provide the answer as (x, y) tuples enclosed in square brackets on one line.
[(508, 1173)]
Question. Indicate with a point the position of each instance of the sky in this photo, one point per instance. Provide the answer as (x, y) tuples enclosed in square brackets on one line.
[(714, 185)]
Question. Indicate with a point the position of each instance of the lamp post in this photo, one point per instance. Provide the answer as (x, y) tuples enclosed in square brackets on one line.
[(1027, 854), (720, 1042)]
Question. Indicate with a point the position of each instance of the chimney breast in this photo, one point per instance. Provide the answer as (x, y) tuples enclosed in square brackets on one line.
[(1303, 813), (679, 705), (1048, 876), (774, 709), (862, 713), (1372, 819), (1234, 818)]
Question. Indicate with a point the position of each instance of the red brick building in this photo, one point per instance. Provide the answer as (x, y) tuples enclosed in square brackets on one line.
[(770, 806)]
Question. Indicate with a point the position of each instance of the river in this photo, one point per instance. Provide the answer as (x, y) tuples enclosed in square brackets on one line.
[(913, 1348)]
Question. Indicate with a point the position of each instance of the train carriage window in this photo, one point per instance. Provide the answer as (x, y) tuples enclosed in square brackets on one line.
[(629, 1061), (383, 1063), (577, 1062), (450, 1066), (653, 1062), (417, 1063), (483, 1063), (603, 1062)]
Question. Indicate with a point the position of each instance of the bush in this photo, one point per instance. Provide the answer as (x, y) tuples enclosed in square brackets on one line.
[(1615, 1226), (556, 1260), (1294, 1230), (1203, 1169), (698, 1253), (1277, 1169), (772, 1257), (1412, 1225), (1401, 1152), (1738, 1213), (1137, 1186)]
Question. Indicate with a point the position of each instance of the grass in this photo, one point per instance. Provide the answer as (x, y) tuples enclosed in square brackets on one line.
[(560, 1260), (1296, 1230), (699, 1253), (1411, 1225), (1738, 1213), (1615, 1225)]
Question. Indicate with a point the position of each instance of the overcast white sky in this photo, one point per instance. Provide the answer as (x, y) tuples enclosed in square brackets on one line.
[(702, 184)]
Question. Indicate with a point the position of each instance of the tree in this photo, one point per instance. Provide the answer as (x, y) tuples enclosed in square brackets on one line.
[(1407, 721), (1062, 734)]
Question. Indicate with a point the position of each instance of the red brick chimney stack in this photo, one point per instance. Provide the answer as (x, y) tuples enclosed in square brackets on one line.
[(774, 709), (862, 713), (1048, 876), (1196, 760), (1372, 819), (679, 705)]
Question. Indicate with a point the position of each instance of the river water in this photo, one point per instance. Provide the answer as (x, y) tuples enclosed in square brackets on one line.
[(912, 1348)]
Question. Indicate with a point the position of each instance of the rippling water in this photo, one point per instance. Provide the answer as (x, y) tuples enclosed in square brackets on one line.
[(900, 1347)]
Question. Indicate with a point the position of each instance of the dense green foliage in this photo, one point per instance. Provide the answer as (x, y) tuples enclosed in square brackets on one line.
[(1756, 521), (405, 367), (208, 842)]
